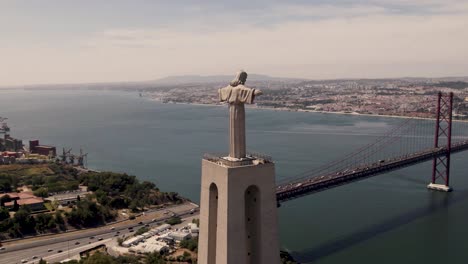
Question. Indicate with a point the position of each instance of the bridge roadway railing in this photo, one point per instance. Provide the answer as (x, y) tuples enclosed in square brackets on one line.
[(320, 183)]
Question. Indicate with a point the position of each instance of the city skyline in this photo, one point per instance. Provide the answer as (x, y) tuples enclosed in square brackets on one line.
[(86, 42)]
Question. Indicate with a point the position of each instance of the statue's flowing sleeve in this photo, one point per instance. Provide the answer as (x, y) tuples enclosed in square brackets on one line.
[(238, 94), (246, 95)]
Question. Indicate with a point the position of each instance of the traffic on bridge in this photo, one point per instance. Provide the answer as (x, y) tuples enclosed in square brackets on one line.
[(363, 163)]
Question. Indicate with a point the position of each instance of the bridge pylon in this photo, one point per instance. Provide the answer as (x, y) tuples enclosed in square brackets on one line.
[(443, 134)]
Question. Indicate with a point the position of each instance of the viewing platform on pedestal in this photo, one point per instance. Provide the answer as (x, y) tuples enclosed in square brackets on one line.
[(250, 159)]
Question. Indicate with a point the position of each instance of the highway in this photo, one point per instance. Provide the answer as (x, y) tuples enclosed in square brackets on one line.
[(58, 247)]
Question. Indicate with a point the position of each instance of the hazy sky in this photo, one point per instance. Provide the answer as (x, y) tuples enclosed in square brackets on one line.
[(66, 41)]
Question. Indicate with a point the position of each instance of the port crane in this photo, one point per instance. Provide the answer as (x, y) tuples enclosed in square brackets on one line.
[(65, 154), (82, 158), (3, 125)]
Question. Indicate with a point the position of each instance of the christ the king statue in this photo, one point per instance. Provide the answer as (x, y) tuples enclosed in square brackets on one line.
[(236, 94)]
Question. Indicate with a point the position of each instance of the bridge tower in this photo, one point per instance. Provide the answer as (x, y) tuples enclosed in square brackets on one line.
[(443, 134), (238, 213)]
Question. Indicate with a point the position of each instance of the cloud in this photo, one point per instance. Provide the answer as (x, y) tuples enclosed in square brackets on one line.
[(370, 38), (345, 39)]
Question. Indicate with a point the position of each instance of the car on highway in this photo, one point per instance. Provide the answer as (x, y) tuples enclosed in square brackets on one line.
[(131, 230), (59, 251), (2, 248), (34, 257), (192, 211), (50, 250), (91, 237), (100, 238), (140, 223), (24, 260), (77, 243), (112, 228), (118, 232)]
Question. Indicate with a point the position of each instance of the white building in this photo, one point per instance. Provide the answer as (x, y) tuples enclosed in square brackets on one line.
[(151, 246), (179, 236), (161, 228), (133, 241), (193, 228)]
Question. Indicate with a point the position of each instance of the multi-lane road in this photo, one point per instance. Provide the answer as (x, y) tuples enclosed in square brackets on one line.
[(55, 248)]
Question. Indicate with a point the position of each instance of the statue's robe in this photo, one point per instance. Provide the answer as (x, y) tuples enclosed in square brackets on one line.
[(237, 97)]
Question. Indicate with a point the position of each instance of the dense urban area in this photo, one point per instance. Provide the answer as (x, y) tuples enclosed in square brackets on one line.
[(411, 97)]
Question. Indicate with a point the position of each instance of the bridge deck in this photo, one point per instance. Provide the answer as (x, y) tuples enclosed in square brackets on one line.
[(320, 183)]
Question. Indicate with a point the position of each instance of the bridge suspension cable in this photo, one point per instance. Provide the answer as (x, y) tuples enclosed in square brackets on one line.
[(410, 142)]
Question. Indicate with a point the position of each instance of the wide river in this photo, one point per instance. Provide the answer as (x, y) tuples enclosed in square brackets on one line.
[(390, 218)]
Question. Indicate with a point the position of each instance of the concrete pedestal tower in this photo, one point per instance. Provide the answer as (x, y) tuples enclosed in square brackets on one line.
[(238, 213)]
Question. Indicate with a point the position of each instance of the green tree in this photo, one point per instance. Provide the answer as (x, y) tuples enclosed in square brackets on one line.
[(4, 199), (5, 225), (190, 244), (88, 213), (6, 182), (155, 258), (134, 206), (101, 197), (141, 230), (15, 230), (24, 219), (174, 220), (127, 260), (4, 213), (187, 256), (120, 241), (45, 222), (41, 192), (15, 205), (99, 258), (118, 203), (59, 218)]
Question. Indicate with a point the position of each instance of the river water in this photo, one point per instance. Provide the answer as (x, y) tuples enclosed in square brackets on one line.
[(390, 218)]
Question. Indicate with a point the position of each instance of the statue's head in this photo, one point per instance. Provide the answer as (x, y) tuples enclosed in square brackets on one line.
[(241, 78)]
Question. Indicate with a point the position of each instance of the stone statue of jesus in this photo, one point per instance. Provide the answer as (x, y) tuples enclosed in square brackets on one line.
[(236, 94)]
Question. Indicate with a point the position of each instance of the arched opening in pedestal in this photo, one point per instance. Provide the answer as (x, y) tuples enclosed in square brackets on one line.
[(253, 224), (212, 223)]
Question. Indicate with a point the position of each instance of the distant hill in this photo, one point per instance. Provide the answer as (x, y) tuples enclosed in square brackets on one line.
[(185, 79), (224, 79)]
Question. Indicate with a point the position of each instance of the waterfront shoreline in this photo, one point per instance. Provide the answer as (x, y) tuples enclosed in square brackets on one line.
[(284, 109)]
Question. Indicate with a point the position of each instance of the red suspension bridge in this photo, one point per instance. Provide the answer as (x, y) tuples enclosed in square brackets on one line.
[(408, 144)]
